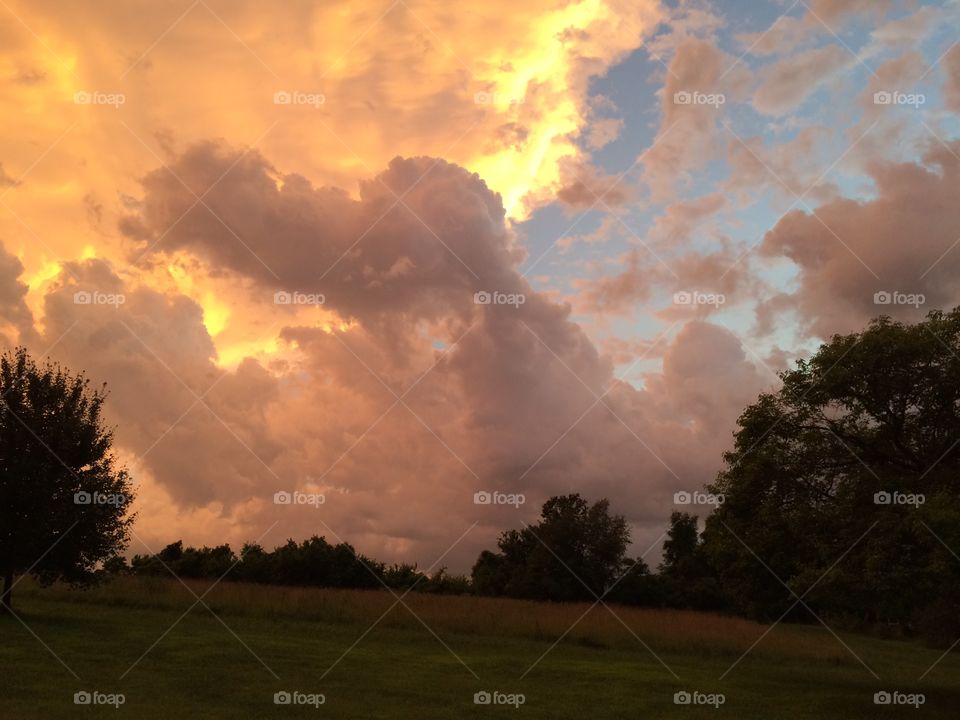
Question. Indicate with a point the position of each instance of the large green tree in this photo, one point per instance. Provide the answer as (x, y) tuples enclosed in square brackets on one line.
[(845, 483), (64, 503)]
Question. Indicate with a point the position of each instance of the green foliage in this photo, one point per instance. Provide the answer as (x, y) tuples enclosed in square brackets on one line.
[(63, 501), (870, 416)]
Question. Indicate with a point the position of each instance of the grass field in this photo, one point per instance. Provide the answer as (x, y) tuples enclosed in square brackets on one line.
[(133, 638)]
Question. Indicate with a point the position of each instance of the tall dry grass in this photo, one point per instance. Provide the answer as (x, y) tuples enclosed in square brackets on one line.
[(621, 627)]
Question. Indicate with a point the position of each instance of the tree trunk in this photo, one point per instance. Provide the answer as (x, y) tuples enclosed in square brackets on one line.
[(6, 604)]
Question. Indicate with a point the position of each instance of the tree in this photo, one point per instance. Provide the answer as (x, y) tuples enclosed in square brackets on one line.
[(680, 545), (846, 481), (575, 552), (63, 501), (685, 578)]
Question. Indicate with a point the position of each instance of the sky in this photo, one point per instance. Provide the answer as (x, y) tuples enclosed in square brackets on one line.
[(397, 272)]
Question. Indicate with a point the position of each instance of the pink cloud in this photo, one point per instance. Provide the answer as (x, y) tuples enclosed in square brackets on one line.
[(902, 241), (516, 398), (786, 84)]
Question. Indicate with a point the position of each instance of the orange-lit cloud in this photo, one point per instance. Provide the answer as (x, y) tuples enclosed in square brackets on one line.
[(503, 94)]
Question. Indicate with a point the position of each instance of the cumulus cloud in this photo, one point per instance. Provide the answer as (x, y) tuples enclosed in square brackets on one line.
[(492, 396), (407, 247), (491, 90), (901, 241), (322, 317), (16, 320)]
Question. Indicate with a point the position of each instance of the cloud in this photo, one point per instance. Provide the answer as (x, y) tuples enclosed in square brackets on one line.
[(707, 371), (791, 32), (785, 35), (585, 186), (699, 79), (785, 85), (908, 30), (901, 241), (493, 396), (683, 23), (406, 247), (951, 90), (643, 275), (681, 218), (16, 320), (5, 180), (884, 129), (603, 131), (826, 11), (619, 293), (393, 80), (899, 74), (791, 169)]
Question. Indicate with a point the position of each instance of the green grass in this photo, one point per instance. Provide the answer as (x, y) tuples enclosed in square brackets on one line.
[(399, 669)]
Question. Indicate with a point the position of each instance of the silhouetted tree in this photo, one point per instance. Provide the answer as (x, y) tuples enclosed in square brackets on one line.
[(823, 485), (575, 552), (680, 545), (63, 500), (685, 578), (311, 563)]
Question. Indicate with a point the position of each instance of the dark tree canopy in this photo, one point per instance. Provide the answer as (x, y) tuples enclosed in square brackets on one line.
[(311, 563), (576, 552), (63, 501), (847, 480)]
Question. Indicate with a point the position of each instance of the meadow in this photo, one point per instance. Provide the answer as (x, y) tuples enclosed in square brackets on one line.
[(367, 656)]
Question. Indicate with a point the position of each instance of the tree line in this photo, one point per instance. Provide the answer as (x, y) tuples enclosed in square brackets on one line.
[(840, 499), (311, 563)]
